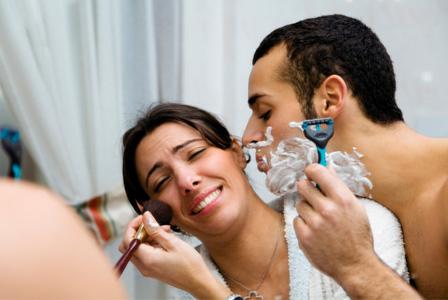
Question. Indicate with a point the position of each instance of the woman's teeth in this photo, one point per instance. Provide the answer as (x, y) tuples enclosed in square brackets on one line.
[(209, 199)]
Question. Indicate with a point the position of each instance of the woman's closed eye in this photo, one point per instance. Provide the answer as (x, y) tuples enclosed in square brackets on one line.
[(160, 183), (162, 180), (196, 153)]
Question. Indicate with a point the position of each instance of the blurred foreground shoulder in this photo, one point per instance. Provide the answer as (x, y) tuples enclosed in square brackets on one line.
[(47, 253)]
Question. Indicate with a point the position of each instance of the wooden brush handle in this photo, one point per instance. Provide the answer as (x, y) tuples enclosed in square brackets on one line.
[(123, 261)]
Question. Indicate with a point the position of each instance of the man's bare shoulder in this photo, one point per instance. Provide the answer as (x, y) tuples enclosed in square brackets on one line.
[(443, 204), (442, 195), (424, 222), (436, 194)]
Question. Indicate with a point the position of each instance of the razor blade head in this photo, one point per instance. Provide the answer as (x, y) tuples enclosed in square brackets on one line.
[(318, 131), (328, 121)]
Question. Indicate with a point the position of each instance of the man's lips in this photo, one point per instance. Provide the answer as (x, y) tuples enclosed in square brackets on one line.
[(206, 197), (262, 162)]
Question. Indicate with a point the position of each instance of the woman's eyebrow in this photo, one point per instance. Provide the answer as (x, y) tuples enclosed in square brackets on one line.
[(176, 149), (179, 147)]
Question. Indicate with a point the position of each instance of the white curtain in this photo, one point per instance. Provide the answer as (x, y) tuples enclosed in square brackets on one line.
[(75, 74), (60, 72)]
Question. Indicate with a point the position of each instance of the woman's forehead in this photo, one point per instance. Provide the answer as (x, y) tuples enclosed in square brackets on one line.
[(174, 132), (167, 137)]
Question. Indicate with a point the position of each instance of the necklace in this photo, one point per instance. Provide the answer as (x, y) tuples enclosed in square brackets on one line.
[(252, 293)]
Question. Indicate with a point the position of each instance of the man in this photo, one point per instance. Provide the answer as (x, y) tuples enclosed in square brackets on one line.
[(335, 66)]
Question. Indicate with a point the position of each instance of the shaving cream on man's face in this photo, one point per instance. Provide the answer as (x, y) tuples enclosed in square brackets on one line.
[(288, 162), (291, 157)]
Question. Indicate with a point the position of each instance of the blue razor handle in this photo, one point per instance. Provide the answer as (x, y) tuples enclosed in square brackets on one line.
[(16, 171), (10, 142), (319, 135)]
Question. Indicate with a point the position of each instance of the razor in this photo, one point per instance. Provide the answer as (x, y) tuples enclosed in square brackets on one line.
[(319, 131), (10, 142)]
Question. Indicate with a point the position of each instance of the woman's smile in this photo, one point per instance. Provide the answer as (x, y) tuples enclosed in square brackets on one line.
[(206, 201)]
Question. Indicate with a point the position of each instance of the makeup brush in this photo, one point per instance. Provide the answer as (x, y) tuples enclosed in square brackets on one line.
[(162, 213)]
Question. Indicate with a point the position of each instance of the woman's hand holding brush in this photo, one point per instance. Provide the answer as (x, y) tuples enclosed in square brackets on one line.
[(162, 212), (167, 258)]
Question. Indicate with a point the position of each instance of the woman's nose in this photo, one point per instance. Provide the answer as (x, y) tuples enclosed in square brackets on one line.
[(188, 181), (191, 184)]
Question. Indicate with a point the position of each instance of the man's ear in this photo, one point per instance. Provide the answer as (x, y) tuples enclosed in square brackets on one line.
[(330, 97), (240, 156)]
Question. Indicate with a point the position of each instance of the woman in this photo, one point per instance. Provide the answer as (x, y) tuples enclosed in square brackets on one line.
[(184, 157)]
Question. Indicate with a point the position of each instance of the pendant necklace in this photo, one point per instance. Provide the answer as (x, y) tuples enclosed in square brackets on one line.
[(252, 293)]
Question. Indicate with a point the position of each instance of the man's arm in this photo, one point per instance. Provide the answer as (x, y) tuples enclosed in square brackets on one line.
[(375, 280), (334, 232)]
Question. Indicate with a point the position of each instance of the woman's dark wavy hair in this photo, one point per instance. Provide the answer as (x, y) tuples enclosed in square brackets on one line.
[(211, 130), (337, 44)]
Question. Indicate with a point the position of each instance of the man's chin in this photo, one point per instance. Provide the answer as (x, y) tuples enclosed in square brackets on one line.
[(263, 167)]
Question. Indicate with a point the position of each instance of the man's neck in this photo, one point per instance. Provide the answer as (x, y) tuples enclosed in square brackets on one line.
[(395, 155)]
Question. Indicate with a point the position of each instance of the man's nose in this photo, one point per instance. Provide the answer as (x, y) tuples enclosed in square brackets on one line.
[(253, 134)]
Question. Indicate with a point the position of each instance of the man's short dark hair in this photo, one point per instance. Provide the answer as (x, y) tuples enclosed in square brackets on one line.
[(337, 44)]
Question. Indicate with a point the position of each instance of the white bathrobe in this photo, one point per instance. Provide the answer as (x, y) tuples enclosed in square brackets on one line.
[(305, 281)]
